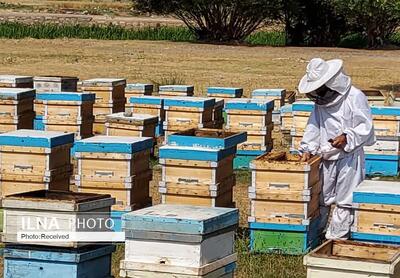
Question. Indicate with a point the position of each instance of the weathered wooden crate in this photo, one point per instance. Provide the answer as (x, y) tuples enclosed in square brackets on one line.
[(353, 259), (377, 211), (202, 240), (15, 102), (131, 124), (28, 261), (66, 106), (188, 111), (55, 83), (129, 196), (248, 114), (176, 90), (207, 138), (276, 95), (284, 238), (66, 211), (382, 164), (152, 105), (224, 92), (34, 153), (277, 172), (107, 90), (16, 81), (386, 120)]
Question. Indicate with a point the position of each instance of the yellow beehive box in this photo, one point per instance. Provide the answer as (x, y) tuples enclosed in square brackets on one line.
[(15, 102), (137, 89), (131, 124), (107, 90), (276, 95), (152, 105)]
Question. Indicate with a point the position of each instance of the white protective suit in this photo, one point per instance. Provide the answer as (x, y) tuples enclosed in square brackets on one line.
[(341, 170)]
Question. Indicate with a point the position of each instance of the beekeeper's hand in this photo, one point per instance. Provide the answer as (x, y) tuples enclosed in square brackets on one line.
[(339, 142), (305, 157)]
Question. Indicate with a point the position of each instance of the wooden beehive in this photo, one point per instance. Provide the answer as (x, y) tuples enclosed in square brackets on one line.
[(384, 145), (101, 111), (276, 95), (224, 92), (32, 160), (115, 164), (152, 105), (176, 90), (202, 240), (16, 81), (33, 261), (386, 120), (131, 124), (248, 114), (377, 211), (107, 90), (286, 118), (138, 89), (301, 111), (218, 116), (188, 112), (65, 210), (16, 109), (353, 259)]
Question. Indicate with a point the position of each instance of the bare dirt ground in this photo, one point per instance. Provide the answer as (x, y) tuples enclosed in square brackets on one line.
[(199, 64)]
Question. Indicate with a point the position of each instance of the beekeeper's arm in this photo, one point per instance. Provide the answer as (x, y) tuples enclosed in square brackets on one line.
[(311, 139), (362, 130)]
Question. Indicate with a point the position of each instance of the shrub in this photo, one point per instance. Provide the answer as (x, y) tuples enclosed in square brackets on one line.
[(356, 40), (218, 20)]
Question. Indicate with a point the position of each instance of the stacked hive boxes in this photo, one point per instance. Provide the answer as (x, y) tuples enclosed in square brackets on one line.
[(222, 94), (353, 259), (377, 211), (286, 125), (301, 111), (68, 112), (51, 84), (383, 157), (176, 91), (116, 165), (110, 98), (254, 117), (180, 241), (32, 160), (131, 124), (16, 81), (276, 95), (152, 105), (183, 113), (16, 109), (60, 214), (284, 198), (197, 167)]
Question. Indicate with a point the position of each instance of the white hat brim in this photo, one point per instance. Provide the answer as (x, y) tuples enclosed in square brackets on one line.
[(306, 86)]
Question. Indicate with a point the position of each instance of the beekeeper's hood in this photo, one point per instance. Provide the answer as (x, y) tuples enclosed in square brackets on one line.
[(329, 73)]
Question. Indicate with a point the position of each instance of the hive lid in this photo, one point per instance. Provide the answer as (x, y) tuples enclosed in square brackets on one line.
[(385, 110), (207, 138), (66, 96), (287, 108), (181, 219), (51, 78), (177, 88), (195, 102), (237, 92), (132, 118), (139, 87), (303, 106), (153, 100), (194, 153), (35, 138), (269, 92), (16, 93), (249, 104), (114, 144), (377, 192), (15, 79), (103, 82)]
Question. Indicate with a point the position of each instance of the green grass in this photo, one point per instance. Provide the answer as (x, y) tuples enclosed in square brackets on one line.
[(270, 38)]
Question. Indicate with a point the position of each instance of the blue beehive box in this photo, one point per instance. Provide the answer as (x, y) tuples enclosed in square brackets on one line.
[(147, 100), (192, 102), (176, 90), (16, 94), (38, 123), (66, 96), (190, 153), (284, 238), (34, 138), (249, 104), (269, 93), (113, 144), (224, 92), (377, 211), (382, 164), (207, 138), (244, 157), (138, 88), (27, 261), (303, 106)]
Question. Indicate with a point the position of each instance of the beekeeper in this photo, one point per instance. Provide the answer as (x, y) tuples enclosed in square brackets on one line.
[(338, 128)]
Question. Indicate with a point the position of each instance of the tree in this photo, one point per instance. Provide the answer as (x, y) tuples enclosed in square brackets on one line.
[(312, 23), (218, 20), (377, 19)]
